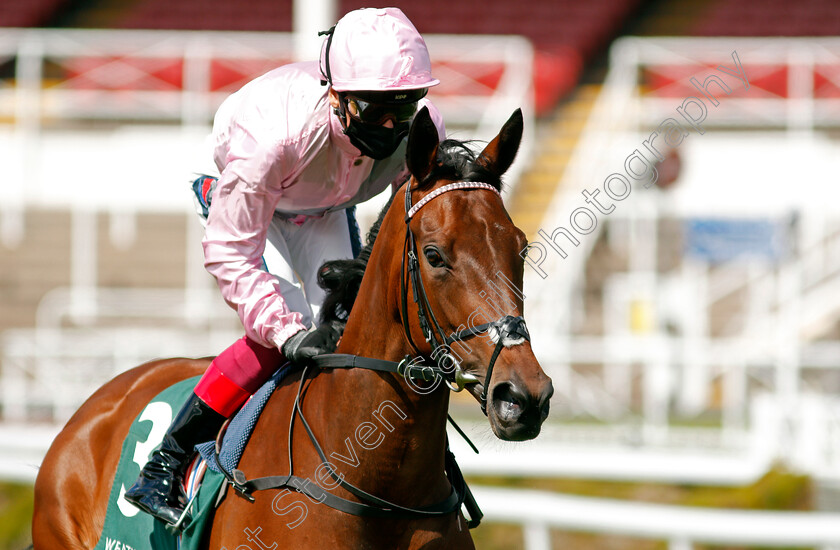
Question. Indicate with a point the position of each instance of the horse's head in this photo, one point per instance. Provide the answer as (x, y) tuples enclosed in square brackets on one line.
[(469, 269)]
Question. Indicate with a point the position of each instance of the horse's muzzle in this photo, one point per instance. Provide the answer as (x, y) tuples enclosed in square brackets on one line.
[(517, 415)]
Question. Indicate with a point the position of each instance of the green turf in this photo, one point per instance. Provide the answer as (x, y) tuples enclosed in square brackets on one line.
[(15, 516)]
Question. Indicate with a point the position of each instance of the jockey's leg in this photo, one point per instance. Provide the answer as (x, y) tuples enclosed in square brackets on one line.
[(293, 254), (278, 260), (317, 241), (229, 381)]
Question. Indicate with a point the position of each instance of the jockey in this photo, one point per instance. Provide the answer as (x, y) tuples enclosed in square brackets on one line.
[(296, 149)]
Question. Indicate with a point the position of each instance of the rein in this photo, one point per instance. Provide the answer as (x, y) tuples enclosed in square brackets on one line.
[(506, 332)]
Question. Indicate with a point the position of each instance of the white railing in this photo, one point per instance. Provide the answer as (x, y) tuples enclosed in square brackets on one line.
[(679, 526), (22, 449), (180, 78), (685, 456), (48, 373), (85, 336), (537, 512), (785, 303), (799, 108)]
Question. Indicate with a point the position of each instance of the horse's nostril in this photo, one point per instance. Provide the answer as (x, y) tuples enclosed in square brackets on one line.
[(545, 399), (544, 409)]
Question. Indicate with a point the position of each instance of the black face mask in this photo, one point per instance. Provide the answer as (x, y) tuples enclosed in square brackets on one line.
[(376, 141)]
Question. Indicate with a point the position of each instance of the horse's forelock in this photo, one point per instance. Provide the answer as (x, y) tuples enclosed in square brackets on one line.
[(456, 160)]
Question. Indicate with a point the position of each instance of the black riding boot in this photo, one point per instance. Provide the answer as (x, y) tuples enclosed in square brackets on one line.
[(158, 489)]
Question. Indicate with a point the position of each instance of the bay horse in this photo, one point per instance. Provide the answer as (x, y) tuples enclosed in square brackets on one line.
[(426, 276)]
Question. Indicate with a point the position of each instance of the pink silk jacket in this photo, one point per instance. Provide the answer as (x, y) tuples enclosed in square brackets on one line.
[(281, 152)]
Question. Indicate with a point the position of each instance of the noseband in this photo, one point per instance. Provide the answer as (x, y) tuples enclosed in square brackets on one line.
[(505, 332)]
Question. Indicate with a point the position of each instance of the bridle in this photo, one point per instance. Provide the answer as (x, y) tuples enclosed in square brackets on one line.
[(505, 332)]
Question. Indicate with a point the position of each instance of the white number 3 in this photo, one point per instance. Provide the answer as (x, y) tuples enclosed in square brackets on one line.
[(160, 415)]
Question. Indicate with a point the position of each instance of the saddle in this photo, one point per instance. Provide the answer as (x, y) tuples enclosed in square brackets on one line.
[(126, 527)]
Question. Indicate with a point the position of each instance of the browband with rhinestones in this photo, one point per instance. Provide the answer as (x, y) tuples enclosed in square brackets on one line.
[(450, 187)]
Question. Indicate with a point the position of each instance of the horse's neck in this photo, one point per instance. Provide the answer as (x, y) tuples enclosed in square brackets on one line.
[(425, 412), (381, 435), (411, 422), (375, 328)]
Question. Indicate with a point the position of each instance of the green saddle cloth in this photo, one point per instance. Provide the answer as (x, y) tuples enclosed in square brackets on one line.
[(126, 527)]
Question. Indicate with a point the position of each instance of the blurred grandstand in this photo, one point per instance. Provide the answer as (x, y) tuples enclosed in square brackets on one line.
[(692, 331)]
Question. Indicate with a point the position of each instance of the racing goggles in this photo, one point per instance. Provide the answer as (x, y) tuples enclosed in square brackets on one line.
[(379, 107)]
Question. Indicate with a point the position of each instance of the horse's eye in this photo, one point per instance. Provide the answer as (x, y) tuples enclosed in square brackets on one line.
[(433, 257)]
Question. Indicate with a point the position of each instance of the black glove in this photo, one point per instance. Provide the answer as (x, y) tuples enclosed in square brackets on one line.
[(302, 346)]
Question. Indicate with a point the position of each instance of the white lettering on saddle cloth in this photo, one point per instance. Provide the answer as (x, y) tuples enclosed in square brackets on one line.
[(160, 415), (114, 544)]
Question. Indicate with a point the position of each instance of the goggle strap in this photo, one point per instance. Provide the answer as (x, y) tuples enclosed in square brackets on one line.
[(330, 32)]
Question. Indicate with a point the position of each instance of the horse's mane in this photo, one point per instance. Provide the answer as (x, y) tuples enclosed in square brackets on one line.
[(341, 278)]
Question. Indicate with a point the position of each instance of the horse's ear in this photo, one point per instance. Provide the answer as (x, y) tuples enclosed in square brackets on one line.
[(499, 153), (423, 144)]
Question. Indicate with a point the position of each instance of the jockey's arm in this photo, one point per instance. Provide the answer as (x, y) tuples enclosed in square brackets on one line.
[(234, 243)]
